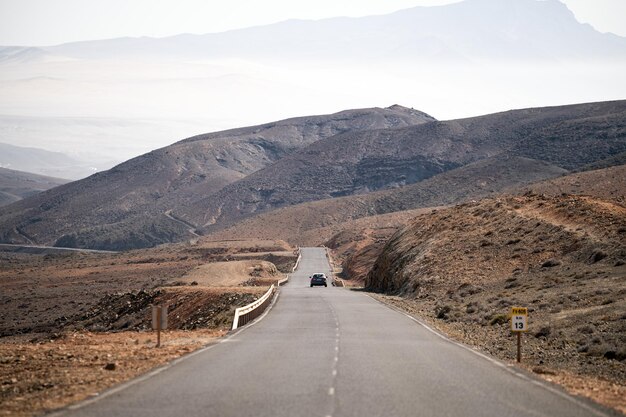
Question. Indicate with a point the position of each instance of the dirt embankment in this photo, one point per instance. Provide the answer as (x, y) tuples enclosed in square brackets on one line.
[(563, 257), (359, 242), (233, 274)]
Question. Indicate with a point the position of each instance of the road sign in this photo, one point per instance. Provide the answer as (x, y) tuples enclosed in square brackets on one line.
[(159, 320), (519, 319), (162, 309), (519, 324)]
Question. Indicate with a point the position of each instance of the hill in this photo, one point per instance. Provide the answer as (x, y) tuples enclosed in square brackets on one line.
[(358, 243), (43, 162), (219, 179), (568, 137), (563, 257), (130, 206), (16, 185), (314, 223), (606, 184)]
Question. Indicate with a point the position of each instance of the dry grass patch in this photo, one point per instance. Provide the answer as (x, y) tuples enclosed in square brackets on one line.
[(39, 377)]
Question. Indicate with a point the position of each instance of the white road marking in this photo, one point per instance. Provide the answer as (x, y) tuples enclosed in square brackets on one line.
[(496, 362)]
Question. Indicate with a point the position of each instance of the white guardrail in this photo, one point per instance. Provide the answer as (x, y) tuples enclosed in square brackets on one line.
[(253, 310), (246, 314), (285, 280), (297, 261)]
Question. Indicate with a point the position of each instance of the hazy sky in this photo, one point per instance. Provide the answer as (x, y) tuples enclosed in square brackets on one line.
[(50, 22)]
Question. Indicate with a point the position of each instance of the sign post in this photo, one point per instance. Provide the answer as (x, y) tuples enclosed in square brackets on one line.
[(159, 321), (519, 324)]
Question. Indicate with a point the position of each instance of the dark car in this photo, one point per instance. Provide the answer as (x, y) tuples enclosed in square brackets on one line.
[(318, 279)]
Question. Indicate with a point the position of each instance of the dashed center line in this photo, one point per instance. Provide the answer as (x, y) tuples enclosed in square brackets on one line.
[(334, 368), (331, 390)]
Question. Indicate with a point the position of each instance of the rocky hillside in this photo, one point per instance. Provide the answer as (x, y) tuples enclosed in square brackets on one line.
[(16, 185), (130, 205), (207, 183), (316, 222), (568, 137), (563, 257), (606, 184), (357, 251)]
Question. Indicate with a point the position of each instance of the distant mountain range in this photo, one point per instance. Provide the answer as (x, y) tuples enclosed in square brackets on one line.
[(468, 31), (471, 57), (16, 185), (43, 162), (209, 182)]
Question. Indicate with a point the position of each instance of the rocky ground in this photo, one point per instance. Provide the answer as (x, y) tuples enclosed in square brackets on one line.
[(563, 257), (74, 324)]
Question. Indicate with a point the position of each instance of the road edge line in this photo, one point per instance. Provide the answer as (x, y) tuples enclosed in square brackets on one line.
[(584, 402)]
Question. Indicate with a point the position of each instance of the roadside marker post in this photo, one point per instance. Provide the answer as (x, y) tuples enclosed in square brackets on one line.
[(519, 324), (159, 321)]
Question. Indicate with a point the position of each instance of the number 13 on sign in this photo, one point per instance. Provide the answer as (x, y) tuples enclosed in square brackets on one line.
[(519, 319)]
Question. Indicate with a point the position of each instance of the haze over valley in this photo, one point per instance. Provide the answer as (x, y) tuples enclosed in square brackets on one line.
[(107, 101)]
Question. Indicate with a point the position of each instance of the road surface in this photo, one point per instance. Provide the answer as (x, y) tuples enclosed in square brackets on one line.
[(334, 352)]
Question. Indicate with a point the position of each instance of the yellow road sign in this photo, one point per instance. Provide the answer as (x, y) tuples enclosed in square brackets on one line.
[(519, 319), (519, 311)]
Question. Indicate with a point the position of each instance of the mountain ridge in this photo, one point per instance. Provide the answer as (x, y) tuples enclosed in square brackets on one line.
[(130, 205), (354, 163), (418, 32), (217, 181), (17, 185), (313, 223)]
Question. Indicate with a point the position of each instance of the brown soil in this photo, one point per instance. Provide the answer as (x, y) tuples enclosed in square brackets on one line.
[(232, 274), (43, 376), (188, 308), (40, 293), (358, 243), (607, 184)]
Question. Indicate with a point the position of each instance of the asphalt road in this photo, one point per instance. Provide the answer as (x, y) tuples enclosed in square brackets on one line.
[(334, 352)]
